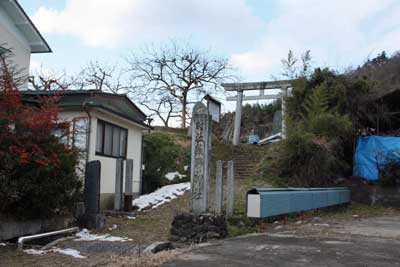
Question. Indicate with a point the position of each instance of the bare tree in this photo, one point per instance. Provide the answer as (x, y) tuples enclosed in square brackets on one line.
[(101, 76), (165, 109), (171, 74), (8, 68), (50, 80), (289, 65), (305, 63), (291, 68)]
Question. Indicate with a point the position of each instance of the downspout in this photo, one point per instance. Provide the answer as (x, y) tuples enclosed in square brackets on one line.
[(141, 169), (88, 132)]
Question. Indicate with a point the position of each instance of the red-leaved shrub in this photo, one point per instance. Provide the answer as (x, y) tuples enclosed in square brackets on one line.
[(37, 172)]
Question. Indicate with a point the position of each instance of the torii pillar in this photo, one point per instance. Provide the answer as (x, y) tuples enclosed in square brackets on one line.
[(238, 118), (283, 85)]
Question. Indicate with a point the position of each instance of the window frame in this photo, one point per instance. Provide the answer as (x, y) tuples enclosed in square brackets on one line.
[(125, 149)]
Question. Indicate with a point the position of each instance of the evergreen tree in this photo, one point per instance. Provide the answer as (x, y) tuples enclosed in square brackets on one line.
[(316, 103)]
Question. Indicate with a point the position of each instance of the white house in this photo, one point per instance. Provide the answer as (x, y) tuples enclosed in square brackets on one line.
[(106, 126), (18, 34)]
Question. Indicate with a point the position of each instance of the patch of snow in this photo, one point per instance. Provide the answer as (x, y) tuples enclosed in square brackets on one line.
[(171, 175), (67, 251), (85, 235), (161, 196), (70, 252), (186, 167), (336, 242), (260, 247), (130, 217), (113, 227), (35, 251), (321, 224)]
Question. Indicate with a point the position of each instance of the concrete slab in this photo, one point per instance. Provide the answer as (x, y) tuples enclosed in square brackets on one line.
[(369, 242), (385, 227)]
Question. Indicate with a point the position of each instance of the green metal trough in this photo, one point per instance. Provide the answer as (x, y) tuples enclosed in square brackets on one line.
[(266, 202)]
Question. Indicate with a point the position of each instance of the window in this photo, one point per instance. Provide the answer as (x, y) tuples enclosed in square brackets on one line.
[(111, 140)]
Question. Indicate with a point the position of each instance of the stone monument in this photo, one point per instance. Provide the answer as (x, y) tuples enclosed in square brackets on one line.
[(201, 154), (92, 218), (199, 225)]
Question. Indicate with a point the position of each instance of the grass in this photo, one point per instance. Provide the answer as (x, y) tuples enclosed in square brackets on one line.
[(151, 225), (346, 212), (10, 257)]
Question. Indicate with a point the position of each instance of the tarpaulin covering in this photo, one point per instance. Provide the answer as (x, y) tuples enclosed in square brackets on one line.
[(372, 153)]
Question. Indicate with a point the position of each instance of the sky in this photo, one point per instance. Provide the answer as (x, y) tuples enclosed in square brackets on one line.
[(253, 34)]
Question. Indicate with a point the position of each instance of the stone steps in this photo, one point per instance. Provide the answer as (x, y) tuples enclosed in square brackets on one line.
[(246, 160)]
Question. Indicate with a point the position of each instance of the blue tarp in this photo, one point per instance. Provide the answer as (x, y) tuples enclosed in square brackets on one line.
[(372, 153)]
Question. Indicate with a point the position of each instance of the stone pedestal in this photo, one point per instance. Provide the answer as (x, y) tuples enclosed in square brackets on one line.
[(188, 227), (92, 221)]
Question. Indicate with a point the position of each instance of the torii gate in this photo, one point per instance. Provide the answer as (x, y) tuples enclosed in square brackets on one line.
[(283, 85)]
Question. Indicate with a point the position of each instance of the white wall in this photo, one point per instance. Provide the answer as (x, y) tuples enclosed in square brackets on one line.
[(11, 38), (134, 148), (134, 151)]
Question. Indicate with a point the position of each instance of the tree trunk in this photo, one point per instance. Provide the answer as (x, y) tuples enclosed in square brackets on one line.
[(184, 100)]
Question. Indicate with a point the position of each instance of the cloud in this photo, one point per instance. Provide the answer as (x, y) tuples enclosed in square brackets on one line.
[(338, 33), (118, 23)]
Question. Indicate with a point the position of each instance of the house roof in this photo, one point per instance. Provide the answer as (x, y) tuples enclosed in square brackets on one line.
[(209, 97), (24, 24), (118, 104)]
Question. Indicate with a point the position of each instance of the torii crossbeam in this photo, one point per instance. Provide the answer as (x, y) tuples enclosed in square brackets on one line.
[(283, 85)]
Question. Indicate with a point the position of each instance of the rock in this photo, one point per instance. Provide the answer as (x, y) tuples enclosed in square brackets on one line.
[(174, 238), (213, 235), (157, 247), (197, 228)]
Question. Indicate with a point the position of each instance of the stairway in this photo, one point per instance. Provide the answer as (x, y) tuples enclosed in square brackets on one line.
[(246, 160)]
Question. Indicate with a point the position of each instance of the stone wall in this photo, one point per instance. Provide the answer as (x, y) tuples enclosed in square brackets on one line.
[(374, 194), (11, 228), (188, 227)]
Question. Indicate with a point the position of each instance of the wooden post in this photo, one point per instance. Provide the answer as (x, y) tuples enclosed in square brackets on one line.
[(128, 185), (238, 118), (218, 188), (118, 184), (260, 225), (230, 190)]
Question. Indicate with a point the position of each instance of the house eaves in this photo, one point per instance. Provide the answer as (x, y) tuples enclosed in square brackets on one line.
[(26, 27)]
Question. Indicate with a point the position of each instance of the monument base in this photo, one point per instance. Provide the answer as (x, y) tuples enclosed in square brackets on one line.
[(92, 221), (188, 227)]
